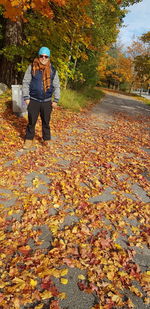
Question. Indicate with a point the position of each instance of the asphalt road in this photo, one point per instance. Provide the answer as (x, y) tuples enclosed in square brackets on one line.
[(120, 103)]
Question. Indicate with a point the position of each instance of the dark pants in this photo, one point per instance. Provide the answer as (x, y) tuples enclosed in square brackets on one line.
[(35, 109)]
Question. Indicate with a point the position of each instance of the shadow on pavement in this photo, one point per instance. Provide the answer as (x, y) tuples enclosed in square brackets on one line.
[(17, 123)]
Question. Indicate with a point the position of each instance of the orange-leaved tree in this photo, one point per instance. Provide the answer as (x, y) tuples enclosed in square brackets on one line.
[(115, 69), (16, 9), (139, 52), (14, 14), (80, 29)]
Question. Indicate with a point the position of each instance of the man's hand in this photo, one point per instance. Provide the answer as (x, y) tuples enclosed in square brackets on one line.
[(27, 102), (54, 104)]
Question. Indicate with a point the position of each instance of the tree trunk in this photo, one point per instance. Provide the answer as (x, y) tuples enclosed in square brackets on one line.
[(13, 37)]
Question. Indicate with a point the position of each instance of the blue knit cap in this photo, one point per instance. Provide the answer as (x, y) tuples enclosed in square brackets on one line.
[(44, 51)]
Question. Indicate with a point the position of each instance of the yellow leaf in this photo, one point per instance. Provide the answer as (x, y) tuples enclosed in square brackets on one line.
[(135, 229), (2, 285), (64, 281), (44, 201), (56, 205), (121, 223), (81, 277), (62, 242), (14, 2), (39, 306), (17, 303), (46, 295), (33, 283), (122, 274), (54, 229), (56, 273), (83, 245), (130, 303), (34, 200), (110, 275), (135, 291), (116, 298), (75, 229), (10, 212), (118, 246), (114, 235), (2, 236), (62, 296), (71, 213), (104, 261), (55, 199), (64, 272), (146, 277), (35, 182), (2, 256), (147, 301), (19, 282)]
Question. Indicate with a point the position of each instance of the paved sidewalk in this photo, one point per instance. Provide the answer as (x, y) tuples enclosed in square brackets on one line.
[(75, 216)]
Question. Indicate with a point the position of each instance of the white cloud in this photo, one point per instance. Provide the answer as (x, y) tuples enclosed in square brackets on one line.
[(137, 22)]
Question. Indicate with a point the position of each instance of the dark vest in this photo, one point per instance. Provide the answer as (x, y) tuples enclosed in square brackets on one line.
[(36, 86)]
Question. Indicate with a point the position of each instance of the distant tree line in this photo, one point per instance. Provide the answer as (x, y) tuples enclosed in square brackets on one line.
[(126, 69)]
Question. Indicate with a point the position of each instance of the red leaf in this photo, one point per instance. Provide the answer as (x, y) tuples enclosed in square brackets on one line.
[(54, 304), (25, 250)]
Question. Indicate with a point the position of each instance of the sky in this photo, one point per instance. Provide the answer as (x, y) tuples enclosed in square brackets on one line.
[(136, 22)]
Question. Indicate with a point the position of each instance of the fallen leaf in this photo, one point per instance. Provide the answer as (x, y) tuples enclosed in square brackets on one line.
[(81, 277), (33, 283), (64, 281)]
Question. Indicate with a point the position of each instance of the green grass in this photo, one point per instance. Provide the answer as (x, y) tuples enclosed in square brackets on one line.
[(144, 100), (78, 100), (6, 94)]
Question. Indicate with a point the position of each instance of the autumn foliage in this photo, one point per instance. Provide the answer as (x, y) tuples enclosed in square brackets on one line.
[(17, 8), (77, 32)]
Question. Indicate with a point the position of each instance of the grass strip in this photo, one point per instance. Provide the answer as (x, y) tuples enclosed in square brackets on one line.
[(78, 100)]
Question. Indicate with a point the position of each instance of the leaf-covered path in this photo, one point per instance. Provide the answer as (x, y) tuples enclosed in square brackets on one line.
[(75, 217)]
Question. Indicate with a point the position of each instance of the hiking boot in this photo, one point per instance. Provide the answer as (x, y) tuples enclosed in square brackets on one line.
[(28, 144)]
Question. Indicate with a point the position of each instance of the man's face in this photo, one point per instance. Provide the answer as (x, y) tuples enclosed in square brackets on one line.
[(43, 59)]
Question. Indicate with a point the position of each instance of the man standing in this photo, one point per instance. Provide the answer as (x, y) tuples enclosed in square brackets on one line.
[(40, 86)]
